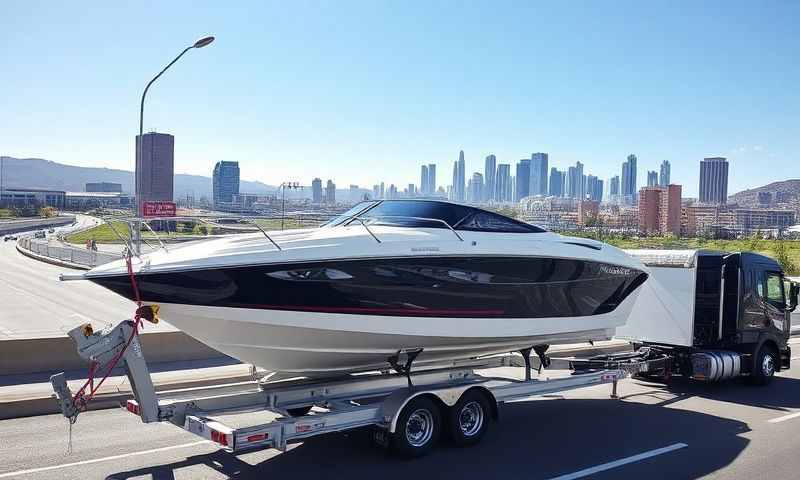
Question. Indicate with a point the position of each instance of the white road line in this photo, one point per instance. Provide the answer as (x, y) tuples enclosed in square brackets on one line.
[(618, 463), (784, 418), (97, 460), (795, 358)]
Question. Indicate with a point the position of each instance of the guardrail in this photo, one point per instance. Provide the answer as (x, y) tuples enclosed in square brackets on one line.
[(23, 224), (74, 255)]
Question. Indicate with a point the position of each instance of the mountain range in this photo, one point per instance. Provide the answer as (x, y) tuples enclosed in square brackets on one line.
[(785, 191)]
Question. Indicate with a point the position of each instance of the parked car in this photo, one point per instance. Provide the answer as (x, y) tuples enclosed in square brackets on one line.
[(9, 237)]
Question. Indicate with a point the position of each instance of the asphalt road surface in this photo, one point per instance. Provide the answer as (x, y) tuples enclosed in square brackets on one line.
[(36, 304), (680, 431)]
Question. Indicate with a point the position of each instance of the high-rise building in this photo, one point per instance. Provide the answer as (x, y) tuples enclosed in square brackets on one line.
[(411, 190), (155, 167), (557, 182), (660, 210), (613, 189), (475, 191), (714, 180), (383, 190), (376, 192), (628, 183), (225, 182), (523, 179), (663, 179), (652, 178), (576, 181), (392, 191), (594, 188), (503, 188), (354, 195), (538, 184), (490, 176), (316, 190), (431, 180), (423, 181), (460, 178), (330, 192)]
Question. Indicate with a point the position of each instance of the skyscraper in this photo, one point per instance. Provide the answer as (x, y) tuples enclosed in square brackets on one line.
[(664, 178), (490, 176), (330, 192), (628, 184), (460, 178), (431, 180), (557, 181), (475, 191), (613, 189), (652, 178), (155, 167), (316, 190), (523, 179), (225, 182), (454, 187), (714, 180), (594, 188), (576, 181), (423, 181), (660, 210), (503, 189), (538, 174)]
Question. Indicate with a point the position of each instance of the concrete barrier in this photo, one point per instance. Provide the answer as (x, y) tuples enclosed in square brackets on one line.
[(34, 355), (70, 257), (15, 226)]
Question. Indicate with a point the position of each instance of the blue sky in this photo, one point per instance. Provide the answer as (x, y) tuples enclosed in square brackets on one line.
[(362, 92)]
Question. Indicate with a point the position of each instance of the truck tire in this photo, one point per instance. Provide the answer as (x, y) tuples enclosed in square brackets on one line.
[(418, 428), (469, 418), (765, 362)]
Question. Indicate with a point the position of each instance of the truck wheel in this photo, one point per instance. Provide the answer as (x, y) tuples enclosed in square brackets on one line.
[(418, 428), (764, 364), (469, 418)]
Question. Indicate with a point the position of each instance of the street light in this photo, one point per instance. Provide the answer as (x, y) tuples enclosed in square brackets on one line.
[(284, 186), (198, 44)]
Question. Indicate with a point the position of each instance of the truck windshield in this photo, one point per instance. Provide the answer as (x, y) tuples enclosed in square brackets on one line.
[(775, 293)]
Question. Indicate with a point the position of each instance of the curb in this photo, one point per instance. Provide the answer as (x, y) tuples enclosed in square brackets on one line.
[(45, 404), (53, 261)]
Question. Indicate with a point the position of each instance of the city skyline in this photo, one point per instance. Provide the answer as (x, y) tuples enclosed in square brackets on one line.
[(722, 96)]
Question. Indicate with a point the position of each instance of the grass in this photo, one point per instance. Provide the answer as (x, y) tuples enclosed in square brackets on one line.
[(6, 213)]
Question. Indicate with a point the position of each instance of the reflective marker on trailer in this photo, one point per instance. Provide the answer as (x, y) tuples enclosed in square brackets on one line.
[(259, 437)]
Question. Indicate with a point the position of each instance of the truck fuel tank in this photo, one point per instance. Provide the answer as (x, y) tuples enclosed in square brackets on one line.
[(715, 366)]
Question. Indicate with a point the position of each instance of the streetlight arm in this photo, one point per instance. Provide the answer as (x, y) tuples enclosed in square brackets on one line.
[(144, 94)]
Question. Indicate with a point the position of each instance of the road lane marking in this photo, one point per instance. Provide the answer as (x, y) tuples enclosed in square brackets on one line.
[(97, 460), (784, 418), (618, 463)]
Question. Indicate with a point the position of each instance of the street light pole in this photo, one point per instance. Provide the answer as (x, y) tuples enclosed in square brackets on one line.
[(137, 230)]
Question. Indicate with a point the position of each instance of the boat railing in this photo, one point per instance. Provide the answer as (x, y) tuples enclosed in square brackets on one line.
[(373, 218)]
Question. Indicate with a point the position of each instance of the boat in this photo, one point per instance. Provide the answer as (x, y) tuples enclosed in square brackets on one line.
[(445, 280)]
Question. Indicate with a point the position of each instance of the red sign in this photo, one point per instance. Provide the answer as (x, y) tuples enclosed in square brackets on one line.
[(158, 209)]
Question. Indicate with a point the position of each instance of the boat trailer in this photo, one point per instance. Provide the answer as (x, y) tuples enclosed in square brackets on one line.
[(408, 410)]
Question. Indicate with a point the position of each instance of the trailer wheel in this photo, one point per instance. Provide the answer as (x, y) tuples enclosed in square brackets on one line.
[(764, 363), (299, 411), (418, 428), (469, 418)]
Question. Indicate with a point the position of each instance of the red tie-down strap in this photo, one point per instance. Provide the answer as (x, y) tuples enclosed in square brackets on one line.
[(81, 398)]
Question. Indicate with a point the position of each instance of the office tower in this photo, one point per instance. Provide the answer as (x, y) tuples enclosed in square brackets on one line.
[(225, 182), (613, 189), (376, 192), (660, 210), (490, 177), (423, 181), (316, 190), (557, 180), (411, 190), (538, 184), (431, 180), (503, 188), (330, 192), (523, 179), (664, 177), (576, 181), (652, 178), (392, 191), (383, 191), (454, 187), (155, 167), (460, 178), (628, 183), (475, 190), (354, 195), (594, 188), (714, 180)]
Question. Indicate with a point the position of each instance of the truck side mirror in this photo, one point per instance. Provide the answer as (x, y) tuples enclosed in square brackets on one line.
[(794, 289)]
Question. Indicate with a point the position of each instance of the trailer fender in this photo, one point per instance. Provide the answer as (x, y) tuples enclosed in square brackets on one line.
[(445, 397)]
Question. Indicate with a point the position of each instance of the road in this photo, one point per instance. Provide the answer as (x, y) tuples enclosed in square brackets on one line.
[(685, 430), (36, 304)]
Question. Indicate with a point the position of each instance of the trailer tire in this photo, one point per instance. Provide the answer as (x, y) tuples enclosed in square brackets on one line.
[(765, 361), (418, 428), (469, 418)]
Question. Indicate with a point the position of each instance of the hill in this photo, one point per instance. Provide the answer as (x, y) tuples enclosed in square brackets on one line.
[(786, 191), (46, 174)]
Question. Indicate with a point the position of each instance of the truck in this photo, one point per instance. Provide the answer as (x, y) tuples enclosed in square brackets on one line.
[(709, 316)]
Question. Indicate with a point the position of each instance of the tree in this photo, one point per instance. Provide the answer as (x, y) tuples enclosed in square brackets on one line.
[(782, 257)]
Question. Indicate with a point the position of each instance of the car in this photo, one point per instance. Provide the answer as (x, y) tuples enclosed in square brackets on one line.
[(52, 230), (39, 234), (9, 237)]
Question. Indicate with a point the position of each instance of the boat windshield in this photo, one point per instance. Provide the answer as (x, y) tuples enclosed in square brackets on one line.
[(349, 214), (431, 214)]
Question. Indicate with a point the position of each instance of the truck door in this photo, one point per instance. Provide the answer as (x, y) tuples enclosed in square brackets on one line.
[(775, 302)]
